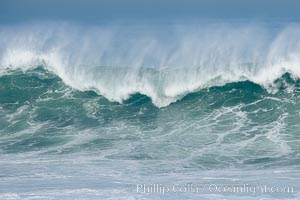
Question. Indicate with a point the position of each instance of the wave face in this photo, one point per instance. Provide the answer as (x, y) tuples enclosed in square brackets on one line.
[(164, 63), (39, 112), (36, 102), (87, 111), (63, 138)]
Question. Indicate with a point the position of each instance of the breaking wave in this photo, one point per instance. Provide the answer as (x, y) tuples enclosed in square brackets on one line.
[(164, 64)]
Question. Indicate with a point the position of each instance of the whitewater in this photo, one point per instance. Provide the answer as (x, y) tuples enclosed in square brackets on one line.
[(165, 65), (99, 112)]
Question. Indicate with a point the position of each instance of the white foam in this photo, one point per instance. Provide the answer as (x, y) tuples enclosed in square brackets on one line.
[(164, 65)]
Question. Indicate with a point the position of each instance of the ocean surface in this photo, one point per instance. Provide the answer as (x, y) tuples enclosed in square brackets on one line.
[(183, 111)]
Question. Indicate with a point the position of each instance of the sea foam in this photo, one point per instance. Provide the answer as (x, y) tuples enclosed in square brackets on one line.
[(164, 64)]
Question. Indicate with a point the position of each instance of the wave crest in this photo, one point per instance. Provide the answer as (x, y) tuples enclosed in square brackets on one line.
[(164, 64)]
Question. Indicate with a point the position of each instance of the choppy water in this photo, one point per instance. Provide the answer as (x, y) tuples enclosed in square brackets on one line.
[(60, 142), (69, 131)]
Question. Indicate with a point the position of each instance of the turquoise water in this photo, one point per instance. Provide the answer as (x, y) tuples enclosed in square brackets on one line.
[(183, 111), (58, 142)]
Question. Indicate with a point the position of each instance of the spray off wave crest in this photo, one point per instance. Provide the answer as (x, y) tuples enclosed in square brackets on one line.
[(164, 63)]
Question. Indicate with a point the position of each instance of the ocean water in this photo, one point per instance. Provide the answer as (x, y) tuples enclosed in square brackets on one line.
[(193, 111)]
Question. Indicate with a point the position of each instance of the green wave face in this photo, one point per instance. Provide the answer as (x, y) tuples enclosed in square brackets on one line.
[(56, 141), (240, 123)]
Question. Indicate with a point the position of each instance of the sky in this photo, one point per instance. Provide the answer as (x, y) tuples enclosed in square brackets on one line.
[(98, 11)]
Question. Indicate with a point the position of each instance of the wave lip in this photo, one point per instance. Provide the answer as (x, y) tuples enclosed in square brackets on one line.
[(117, 63)]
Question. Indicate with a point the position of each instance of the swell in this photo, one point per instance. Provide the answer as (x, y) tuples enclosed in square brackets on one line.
[(122, 84), (163, 63), (34, 85), (40, 113)]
